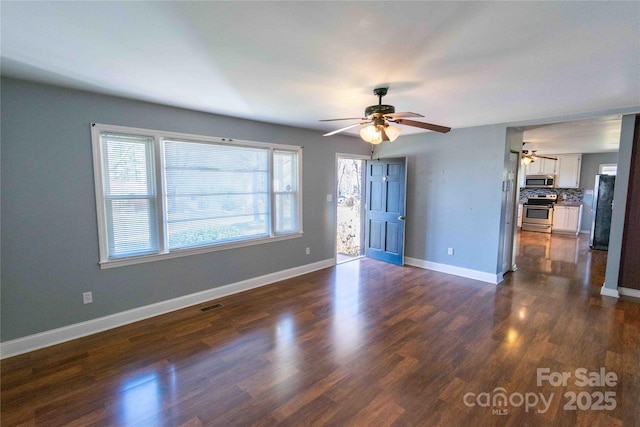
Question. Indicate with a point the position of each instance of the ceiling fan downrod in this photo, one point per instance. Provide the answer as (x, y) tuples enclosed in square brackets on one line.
[(380, 109), (380, 92)]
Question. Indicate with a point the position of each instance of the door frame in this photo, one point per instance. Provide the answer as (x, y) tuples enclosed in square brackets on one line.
[(510, 188), (335, 198)]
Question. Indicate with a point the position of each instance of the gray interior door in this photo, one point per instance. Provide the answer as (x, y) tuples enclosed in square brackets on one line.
[(385, 213)]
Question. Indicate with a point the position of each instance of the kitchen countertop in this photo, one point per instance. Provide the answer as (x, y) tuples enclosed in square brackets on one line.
[(569, 204)]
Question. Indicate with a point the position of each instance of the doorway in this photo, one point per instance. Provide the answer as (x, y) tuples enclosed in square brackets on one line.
[(350, 207)]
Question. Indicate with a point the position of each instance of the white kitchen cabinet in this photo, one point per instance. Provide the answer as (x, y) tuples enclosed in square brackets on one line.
[(568, 173), (566, 219), (541, 167), (559, 218)]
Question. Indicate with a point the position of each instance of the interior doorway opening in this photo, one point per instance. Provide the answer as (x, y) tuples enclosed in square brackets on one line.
[(350, 208)]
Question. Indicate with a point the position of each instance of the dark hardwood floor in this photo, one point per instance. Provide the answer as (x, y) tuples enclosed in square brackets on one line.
[(361, 344)]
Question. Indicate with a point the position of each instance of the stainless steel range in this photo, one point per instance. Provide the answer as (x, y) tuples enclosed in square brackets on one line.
[(538, 213)]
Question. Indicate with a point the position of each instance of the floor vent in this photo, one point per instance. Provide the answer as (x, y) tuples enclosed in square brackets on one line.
[(211, 307)]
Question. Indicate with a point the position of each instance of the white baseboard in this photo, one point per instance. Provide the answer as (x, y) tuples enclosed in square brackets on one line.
[(78, 330), (456, 271), (629, 292), (608, 292)]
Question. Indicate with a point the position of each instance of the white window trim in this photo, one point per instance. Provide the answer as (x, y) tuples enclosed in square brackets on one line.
[(164, 253), (603, 166)]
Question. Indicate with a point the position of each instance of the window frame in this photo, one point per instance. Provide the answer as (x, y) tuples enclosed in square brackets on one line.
[(164, 252), (602, 168)]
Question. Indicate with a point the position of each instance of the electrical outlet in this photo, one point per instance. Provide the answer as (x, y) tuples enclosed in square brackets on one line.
[(87, 297), (450, 251), (308, 251)]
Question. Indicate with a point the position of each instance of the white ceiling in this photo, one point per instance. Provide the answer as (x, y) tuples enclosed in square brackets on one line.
[(598, 135), (460, 64)]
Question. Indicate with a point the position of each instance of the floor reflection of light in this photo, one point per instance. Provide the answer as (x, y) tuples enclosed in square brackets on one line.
[(512, 335), (141, 399), (285, 338), (286, 354), (347, 323), (172, 395), (522, 313), (586, 277)]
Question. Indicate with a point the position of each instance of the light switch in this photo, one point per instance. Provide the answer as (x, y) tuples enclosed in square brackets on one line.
[(329, 197)]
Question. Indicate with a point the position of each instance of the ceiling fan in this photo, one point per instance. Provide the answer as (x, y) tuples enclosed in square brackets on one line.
[(530, 157), (378, 118)]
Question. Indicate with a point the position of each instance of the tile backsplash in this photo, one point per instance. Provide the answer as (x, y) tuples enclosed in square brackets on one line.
[(573, 194)]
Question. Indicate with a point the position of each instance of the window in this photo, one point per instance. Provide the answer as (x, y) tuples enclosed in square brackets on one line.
[(608, 169), (285, 183), (130, 201), (161, 195)]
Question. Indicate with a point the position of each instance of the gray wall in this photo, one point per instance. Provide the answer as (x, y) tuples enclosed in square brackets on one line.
[(588, 172), (453, 195), (49, 227), (620, 202)]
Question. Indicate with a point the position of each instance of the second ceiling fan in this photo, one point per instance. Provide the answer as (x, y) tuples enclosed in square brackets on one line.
[(530, 157), (378, 117)]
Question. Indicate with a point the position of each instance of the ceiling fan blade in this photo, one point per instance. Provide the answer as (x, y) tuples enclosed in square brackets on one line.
[(404, 114), (344, 128), (335, 120), (533, 153), (429, 126)]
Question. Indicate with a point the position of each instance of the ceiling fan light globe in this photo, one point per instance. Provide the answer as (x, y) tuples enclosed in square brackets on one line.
[(371, 134), (392, 132)]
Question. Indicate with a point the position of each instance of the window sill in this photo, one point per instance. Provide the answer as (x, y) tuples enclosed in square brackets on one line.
[(121, 262)]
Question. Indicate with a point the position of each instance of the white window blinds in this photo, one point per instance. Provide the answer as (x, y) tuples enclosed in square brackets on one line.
[(129, 193), (285, 182), (215, 193)]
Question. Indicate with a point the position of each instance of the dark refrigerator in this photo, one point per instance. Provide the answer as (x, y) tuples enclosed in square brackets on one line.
[(601, 210)]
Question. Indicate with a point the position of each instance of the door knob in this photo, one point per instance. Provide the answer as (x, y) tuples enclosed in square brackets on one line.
[(401, 218)]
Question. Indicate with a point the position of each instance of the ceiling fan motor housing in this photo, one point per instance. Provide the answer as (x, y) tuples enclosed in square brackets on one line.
[(381, 109)]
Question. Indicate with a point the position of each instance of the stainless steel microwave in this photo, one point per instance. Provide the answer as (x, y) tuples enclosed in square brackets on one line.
[(540, 181)]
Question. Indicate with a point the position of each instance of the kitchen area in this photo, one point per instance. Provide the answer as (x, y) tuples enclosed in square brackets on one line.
[(560, 196), (569, 234)]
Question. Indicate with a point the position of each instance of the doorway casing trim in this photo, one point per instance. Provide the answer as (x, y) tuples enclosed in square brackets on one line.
[(335, 195)]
